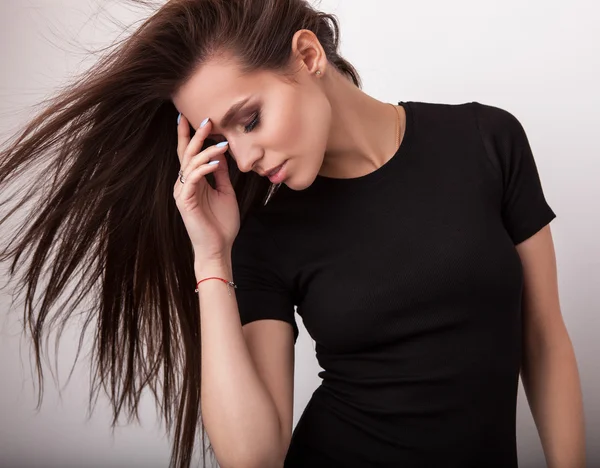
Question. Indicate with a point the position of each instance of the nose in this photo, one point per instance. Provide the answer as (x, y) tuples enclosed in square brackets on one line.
[(247, 160), (245, 166)]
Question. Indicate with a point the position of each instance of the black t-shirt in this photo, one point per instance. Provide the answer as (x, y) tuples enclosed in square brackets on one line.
[(409, 282)]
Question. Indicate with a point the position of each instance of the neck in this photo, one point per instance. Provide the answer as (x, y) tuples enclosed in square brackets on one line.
[(363, 134)]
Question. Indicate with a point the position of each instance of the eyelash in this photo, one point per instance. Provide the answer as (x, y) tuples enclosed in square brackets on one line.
[(254, 123)]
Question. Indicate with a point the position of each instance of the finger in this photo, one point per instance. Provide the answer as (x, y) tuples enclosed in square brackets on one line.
[(193, 180), (183, 137), (210, 153), (222, 179), (195, 145)]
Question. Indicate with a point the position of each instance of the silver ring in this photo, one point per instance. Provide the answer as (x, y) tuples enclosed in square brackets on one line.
[(181, 177)]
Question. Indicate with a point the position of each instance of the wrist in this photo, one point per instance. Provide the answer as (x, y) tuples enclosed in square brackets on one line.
[(216, 267)]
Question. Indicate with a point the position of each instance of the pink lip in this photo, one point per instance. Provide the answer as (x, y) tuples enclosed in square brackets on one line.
[(278, 177)]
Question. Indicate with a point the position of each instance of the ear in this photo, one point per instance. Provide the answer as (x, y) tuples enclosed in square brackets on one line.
[(308, 51)]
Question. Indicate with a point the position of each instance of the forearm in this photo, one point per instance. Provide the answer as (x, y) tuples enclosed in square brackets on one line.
[(240, 417), (551, 382)]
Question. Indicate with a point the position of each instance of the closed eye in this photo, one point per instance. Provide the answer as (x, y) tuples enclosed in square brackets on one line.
[(253, 123)]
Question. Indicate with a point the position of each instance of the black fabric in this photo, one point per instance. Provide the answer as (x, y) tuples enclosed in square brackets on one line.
[(409, 282)]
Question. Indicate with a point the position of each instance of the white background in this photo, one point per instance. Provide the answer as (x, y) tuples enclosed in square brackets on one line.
[(540, 60)]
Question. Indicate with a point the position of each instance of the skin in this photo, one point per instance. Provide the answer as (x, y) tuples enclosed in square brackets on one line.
[(323, 124), (549, 370), (327, 126)]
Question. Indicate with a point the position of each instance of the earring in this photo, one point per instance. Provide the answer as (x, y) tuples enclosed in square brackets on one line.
[(272, 189), (318, 72)]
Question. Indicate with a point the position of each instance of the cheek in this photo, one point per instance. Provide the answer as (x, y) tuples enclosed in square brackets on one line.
[(302, 125), (321, 122), (283, 130), (316, 122)]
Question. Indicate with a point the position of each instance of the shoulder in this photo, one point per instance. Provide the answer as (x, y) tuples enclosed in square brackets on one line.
[(449, 126), (487, 116), (497, 124), (438, 110), (457, 120)]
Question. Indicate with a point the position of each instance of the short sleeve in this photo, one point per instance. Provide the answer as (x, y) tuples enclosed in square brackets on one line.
[(262, 292), (524, 207)]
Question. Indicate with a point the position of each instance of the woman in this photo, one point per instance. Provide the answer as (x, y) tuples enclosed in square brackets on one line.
[(405, 235)]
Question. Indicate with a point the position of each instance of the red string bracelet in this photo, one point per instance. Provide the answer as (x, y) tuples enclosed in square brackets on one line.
[(230, 283)]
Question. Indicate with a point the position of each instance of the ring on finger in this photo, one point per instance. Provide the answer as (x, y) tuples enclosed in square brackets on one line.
[(181, 179)]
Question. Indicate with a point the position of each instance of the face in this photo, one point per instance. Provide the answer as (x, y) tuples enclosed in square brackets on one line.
[(280, 122)]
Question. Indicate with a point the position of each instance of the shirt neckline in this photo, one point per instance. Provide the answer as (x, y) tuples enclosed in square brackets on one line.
[(377, 174)]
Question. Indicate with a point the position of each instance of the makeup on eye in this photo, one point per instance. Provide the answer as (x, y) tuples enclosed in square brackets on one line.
[(253, 123), (248, 127)]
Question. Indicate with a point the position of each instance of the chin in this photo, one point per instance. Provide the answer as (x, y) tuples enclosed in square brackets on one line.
[(296, 182)]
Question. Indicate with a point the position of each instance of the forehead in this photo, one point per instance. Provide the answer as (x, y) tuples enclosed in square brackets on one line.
[(215, 86)]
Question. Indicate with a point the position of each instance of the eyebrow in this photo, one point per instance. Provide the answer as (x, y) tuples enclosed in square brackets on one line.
[(230, 114)]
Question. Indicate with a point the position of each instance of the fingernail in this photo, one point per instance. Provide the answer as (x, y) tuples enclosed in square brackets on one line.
[(179, 118), (223, 143), (204, 122), (216, 161)]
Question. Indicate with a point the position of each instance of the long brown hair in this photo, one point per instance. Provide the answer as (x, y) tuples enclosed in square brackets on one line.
[(101, 158)]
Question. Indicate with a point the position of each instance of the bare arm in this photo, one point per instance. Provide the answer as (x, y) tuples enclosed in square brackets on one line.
[(239, 411), (549, 371)]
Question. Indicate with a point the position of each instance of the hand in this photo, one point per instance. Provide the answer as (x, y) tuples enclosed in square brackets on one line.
[(211, 216)]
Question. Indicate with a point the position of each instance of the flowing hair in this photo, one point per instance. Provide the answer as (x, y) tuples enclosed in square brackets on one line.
[(101, 222)]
